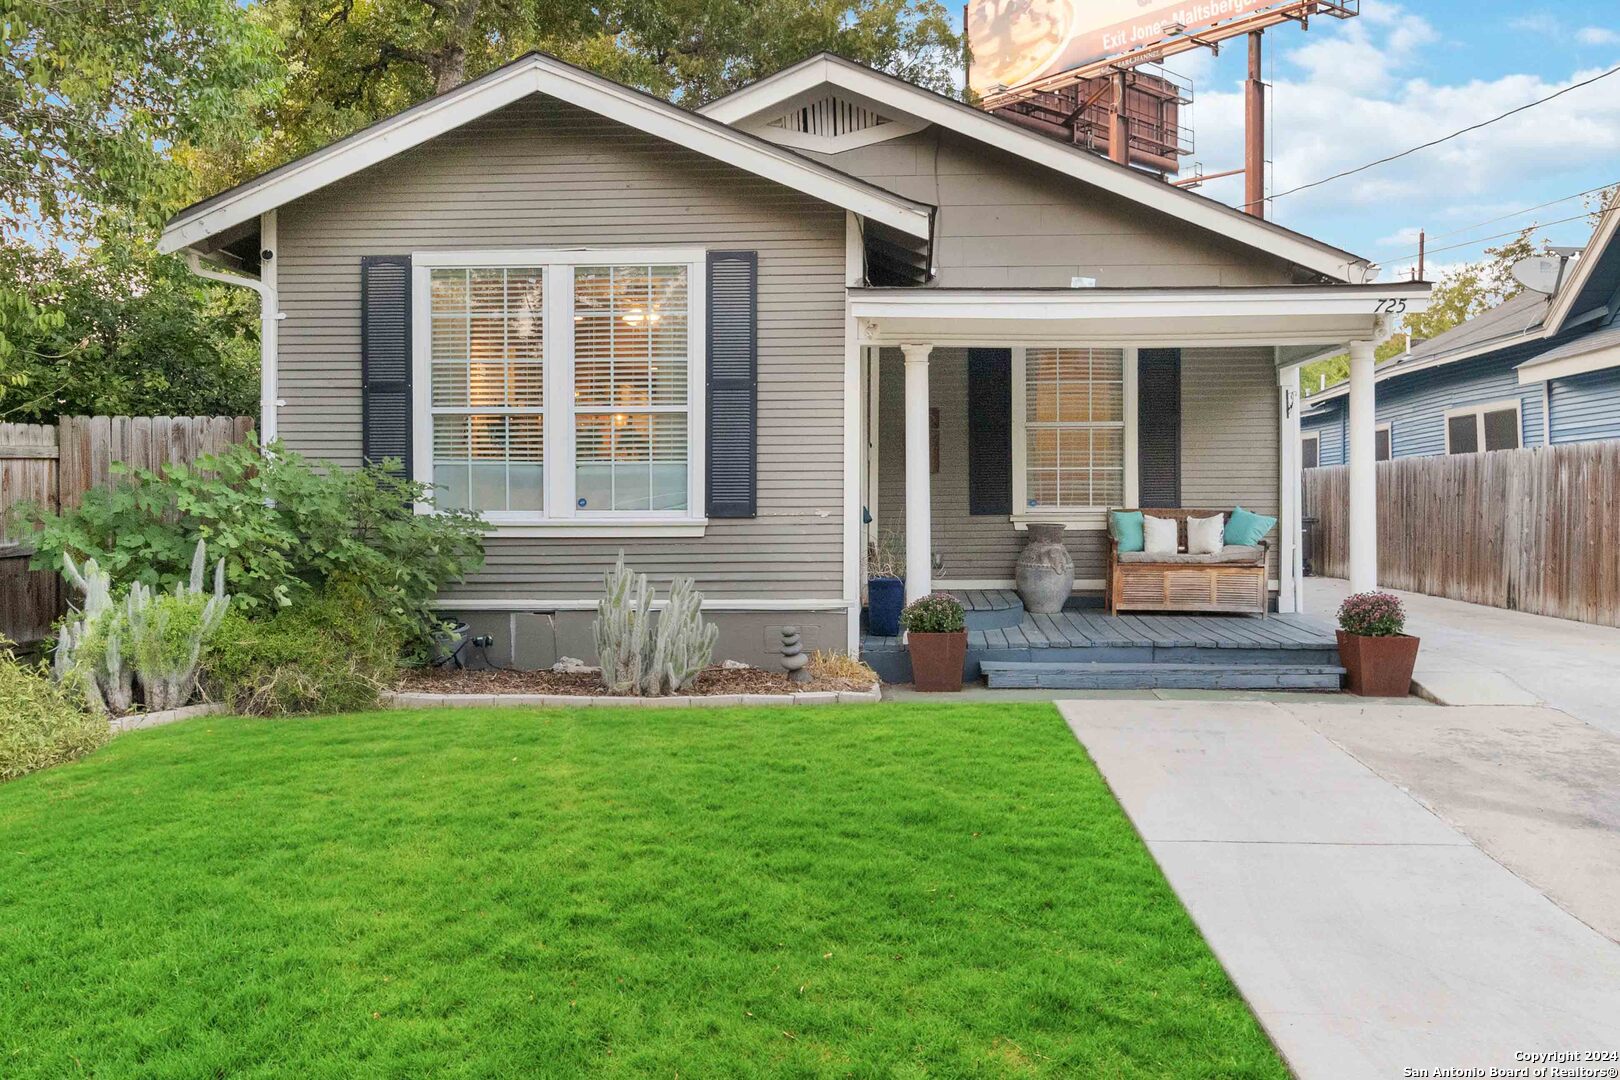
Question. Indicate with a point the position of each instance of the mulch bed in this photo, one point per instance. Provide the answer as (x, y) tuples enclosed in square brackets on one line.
[(714, 680)]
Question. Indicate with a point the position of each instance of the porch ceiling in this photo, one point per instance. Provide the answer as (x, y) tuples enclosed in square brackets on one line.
[(1295, 315)]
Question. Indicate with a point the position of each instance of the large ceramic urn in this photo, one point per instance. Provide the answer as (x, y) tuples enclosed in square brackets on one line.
[(1045, 570)]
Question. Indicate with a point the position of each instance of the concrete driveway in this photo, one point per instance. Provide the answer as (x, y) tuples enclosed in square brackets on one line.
[(1477, 655), (1369, 935)]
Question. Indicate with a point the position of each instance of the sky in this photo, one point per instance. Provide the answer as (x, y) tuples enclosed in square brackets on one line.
[(1349, 92)]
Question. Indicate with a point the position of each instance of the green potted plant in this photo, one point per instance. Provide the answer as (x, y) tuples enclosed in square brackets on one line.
[(1377, 655), (936, 633)]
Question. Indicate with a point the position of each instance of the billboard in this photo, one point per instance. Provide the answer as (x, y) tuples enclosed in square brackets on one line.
[(1016, 41)]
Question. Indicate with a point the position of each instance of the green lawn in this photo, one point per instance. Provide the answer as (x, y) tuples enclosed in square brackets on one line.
[(866, 891)]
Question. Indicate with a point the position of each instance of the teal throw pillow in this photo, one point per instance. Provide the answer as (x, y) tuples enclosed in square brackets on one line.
[(1245, 529), (1127, 529)]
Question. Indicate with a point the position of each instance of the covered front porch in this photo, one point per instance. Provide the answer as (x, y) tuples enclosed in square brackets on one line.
[(987, 411), (1083, 648)]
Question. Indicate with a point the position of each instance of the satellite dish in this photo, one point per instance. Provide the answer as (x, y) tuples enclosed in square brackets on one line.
[(1539, 273)]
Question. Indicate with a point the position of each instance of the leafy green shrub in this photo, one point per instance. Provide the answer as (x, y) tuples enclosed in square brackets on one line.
[(42, 723), (284, 527), (333, 653), (936, 613)]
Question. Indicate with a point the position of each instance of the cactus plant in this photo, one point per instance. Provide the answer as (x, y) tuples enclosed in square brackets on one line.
[(89, 643), (685, 643), (166, 632), (623, 617), (638, 659), (156, 638)]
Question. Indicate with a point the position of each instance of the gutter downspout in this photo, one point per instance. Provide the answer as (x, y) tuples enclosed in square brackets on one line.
[(269, 317)]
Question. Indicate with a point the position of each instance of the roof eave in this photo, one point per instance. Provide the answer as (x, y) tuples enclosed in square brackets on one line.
[(541, 74), (1121, 180)]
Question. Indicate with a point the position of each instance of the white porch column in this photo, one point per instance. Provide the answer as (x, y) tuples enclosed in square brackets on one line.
[(1363, 470), (1290, 595), (919, 524)]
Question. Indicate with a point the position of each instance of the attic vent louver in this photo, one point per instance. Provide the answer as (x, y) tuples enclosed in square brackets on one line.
[(829, 118)]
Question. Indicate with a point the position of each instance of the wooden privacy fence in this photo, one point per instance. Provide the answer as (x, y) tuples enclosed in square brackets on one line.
[(54, 465), (1532, 530)]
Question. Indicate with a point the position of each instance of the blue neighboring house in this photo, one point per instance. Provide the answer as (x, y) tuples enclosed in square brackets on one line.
[(1537, 370)]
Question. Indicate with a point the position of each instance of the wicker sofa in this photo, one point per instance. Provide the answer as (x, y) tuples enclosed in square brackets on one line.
[(1231, 581)]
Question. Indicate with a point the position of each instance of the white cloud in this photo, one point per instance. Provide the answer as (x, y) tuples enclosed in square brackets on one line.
[(1597, 35), (1354, 92)]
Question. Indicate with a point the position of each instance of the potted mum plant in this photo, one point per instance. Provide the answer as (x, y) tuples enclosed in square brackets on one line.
[(885, 585), (1377, 656), (936, 633)]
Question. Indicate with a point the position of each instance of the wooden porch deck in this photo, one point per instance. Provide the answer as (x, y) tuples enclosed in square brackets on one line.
[(1082, 647)]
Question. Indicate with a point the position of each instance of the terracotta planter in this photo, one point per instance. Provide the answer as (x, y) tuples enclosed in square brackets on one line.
[(1378, 666), (936, 661)]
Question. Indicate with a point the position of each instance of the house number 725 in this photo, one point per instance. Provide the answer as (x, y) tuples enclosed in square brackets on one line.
[(1396, 306)]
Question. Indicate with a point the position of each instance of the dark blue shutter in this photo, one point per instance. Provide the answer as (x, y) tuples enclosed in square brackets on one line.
[(385, 359), (1158, 427), (733, 363), (989, 431)]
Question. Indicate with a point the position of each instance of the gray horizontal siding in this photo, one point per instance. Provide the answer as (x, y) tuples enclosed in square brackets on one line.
[(1004, 222), (1229, 456), (1230, 431), (545, 174), (1587, 407), (1328, 426)]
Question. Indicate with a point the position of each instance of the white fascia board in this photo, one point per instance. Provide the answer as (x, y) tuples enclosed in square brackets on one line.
[(1559, 312), (957, 304), (501, 88), (1596, 360), (1080, 164)]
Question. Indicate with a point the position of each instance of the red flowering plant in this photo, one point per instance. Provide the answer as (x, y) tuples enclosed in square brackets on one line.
[(937, 613), (1372, 614)]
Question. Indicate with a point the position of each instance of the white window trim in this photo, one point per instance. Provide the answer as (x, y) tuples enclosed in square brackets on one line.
[(1388, 427), (560, 516), (1310, 437), (1478, 412), (1095, 517)]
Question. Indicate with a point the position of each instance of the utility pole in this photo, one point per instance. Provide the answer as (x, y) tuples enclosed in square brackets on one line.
[(1119, 131), (1254, 135), (1423, 246)]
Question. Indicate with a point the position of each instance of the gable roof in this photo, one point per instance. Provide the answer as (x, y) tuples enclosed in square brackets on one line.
[(537, 73), (1595, 282), (827, 69)]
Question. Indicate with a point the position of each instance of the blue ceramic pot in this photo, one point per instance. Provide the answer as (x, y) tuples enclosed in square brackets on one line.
[(885, 596)]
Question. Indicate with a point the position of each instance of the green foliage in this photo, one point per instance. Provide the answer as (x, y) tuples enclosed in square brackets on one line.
[(333, 653), (1463, 294), (936, 613), (42, 723), (351, 65), (98, 94), (117, 329), (284, 528)]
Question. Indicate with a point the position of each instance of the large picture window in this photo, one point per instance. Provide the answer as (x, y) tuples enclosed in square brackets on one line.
[(561, 388), (1073, 429)]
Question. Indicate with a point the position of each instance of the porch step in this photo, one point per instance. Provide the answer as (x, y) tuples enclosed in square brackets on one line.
[(990, 609), (1004, 675)]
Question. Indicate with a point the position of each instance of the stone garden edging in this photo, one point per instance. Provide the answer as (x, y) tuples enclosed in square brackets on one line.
[(136, 721), (415, 700)]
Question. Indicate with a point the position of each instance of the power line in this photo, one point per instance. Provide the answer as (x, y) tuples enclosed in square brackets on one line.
[(1443, 138), (1483, 239), (1526, 210)]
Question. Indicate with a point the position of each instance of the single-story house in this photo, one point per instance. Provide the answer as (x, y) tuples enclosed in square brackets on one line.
[(1538, 370), (736, 343)]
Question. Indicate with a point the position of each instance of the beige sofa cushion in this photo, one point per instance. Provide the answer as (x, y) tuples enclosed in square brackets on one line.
[(1230, 555)]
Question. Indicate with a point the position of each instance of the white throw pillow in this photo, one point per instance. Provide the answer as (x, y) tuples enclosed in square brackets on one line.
[(1159, 535), (1206, 536)]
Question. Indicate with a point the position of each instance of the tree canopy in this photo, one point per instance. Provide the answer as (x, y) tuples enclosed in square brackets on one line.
[(117, 112)]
